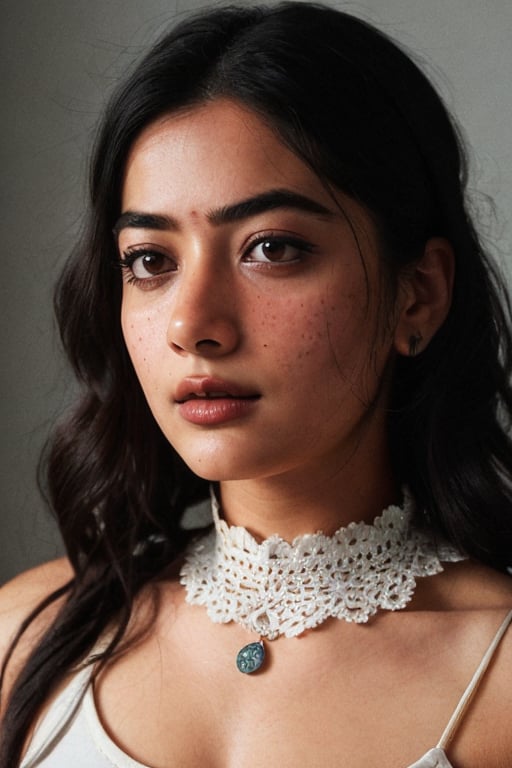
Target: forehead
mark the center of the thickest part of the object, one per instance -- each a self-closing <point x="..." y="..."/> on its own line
<point x="219" y="149"/>
<point x="214" y="155"/>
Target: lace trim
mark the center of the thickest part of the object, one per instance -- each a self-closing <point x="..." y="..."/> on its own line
<point x="274" y="587"/>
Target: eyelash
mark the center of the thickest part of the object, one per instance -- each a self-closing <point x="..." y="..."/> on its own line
<point x="302" y="247"/>
<point x="130" y="256"/>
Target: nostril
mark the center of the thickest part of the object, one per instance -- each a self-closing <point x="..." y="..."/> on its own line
<point x="209" y="342"/>
<point x="188" y="336"/>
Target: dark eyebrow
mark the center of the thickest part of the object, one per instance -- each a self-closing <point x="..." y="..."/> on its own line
<point x="144" y="221"/>
<point x="266" y="201"/>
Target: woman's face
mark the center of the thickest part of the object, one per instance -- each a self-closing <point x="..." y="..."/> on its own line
<point x="249" y="301"/>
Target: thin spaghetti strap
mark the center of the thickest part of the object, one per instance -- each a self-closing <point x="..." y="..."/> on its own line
<point x="463" y="704"/>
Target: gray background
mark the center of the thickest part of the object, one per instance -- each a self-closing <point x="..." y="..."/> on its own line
<point x="59" y="60"/>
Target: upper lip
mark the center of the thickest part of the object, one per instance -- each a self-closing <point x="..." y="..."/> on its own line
<point x="209" y="386"/>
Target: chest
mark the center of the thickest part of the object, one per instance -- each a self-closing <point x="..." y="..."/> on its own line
<point x="343" y="695"/>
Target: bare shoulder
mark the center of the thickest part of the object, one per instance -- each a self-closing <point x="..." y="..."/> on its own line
<point x="466" y="586"/>
<point x="465" y="610"/>
<point x="19" y="597"/>
<point x="486" y="586"/>
<point x="492" y="702"/>
<point x="473" y="599"/>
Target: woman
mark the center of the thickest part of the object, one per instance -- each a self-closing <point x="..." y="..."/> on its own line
<point x="279" y="292"/>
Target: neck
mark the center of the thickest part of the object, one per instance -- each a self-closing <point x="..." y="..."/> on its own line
<point x="278" y="588"/>
<point x="298" y="504"/>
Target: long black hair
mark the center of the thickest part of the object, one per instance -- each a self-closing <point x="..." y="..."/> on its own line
<point x="354" y="107"/>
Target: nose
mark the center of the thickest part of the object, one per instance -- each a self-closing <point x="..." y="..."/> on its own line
<point x="203" y="318"/>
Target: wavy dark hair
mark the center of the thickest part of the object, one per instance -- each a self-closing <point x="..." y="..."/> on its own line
<point x="353" y="106"/>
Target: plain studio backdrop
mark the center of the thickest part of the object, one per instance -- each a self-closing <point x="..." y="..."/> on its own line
<point x="60" y="60"/>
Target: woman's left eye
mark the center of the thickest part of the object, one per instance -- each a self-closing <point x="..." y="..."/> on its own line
<point x="276" y="250"/>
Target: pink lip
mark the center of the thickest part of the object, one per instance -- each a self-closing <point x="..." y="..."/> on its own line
<point x="194" y="387"/>
<point x="207" y="401"/>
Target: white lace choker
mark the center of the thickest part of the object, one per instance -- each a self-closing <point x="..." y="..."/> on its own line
<point x="275" y="588"/>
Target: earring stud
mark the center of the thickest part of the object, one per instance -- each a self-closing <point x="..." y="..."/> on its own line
<point x="414" y="344"/>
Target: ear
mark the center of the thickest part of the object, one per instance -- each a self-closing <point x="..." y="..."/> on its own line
<point x="425" y="296"/>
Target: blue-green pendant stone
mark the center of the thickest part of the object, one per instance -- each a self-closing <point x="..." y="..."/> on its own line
<point x="250" y="657"/>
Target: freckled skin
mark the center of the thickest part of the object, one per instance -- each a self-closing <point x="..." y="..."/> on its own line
<point x="311" y="454"/>
<point x="299" y="334"/>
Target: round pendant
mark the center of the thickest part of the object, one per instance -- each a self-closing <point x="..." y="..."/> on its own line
<point x="250" y="657"/>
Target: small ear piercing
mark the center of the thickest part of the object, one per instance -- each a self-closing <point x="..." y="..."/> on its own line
<point x="414" y="344"/>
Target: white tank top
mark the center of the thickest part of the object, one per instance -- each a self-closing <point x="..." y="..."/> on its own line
<point x="70" y="735"/>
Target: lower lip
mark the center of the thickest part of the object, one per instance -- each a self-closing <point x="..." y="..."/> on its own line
<point x="216" y="411"/>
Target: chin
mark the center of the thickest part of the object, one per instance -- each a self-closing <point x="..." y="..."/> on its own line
<point x="218" y="471"/>
<point x="219" y="456"/>
<point x="216" y="457"/>
<point x="217" y="467"/>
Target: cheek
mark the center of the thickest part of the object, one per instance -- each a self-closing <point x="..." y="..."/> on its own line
<point x="288" y="331"/>
<point x="142" y="334"/>
<point x="312" y="332"/>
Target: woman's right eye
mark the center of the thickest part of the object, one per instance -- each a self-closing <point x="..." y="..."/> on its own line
<point x="143" y="265"/>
